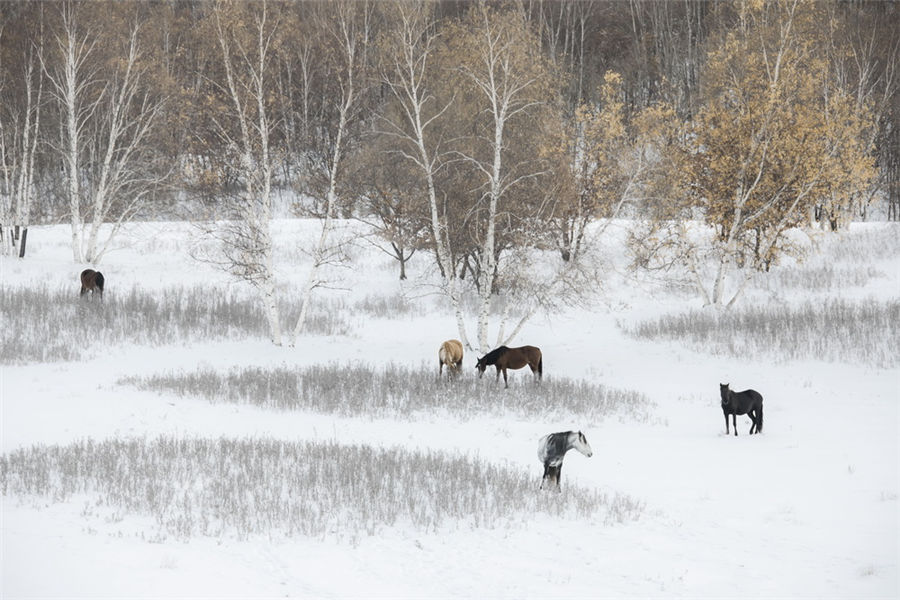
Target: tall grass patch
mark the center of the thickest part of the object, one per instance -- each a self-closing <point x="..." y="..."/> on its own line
<point x="251" y="487"/>
<point x="401" y="391"/>
<point x="842" y="331"/>
<point x="837" y="261"/>
<point x="46" y="325"/>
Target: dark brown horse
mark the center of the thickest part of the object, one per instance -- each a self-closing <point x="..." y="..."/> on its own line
<point x="92" y="281"/>
<point x="504" y="358"/>
<point x="450" y="354"/>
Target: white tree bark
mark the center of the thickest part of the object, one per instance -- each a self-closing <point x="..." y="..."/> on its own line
<point x="121" y="116"/>
<point x="504" y="89"/>
<point x="127" y="130"/>
<point x="18" y="148"/>
<point x="251" y="251"/>
<point x="71" y="80"/>
<point x="352" y="38"/>
<point x="406" y="78"/>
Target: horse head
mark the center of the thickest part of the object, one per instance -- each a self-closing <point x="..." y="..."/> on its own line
<point x="580" y="443"/>
<point x="480" y="366"/>
<point x="725" y="393"/>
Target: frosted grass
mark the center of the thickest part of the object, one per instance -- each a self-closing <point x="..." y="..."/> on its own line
<point x="46" y="325"/>
<point x="398" y="391"/>
<point x="262" y="487"/>
<point x="865" y="332"/>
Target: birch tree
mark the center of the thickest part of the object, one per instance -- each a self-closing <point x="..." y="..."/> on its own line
<point x="347" y="29"/>
<point x="406" y="70"/>
<point x="21" y="90"/>
<point x="108" y="113"/>
<point x="599" y="166"/>
<point x="768" y="143"/>
<point x="500" y="62"/>
<point x="245" y="35"/>
<point x="126" y="169"/>
<point x="76" y="88"/>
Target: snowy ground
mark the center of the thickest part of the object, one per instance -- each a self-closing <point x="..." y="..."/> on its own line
<point x="808" y="509"/>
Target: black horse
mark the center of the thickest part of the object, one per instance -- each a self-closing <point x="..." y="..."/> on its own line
<point x="504" y="358"/>
<point x="92" y="281"/>
<point x="748" y="402"/>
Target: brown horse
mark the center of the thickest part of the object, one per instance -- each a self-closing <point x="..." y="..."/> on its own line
<point x="450" y="354"/>
<point x="92" y="281"/>
<point x="504" y="358"/>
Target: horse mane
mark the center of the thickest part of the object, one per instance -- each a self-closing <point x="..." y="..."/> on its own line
<point x="491" y="357"/>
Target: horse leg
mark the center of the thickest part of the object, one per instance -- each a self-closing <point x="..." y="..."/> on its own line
<point x="559" y="478"/>
<point x="754" y="418"/>
<point x="734" y="422"/>
<point x="727" y="429"/>
<point x="440" y="368"/>
<point x="505" y="381"/>
<point x="551" y="477"/>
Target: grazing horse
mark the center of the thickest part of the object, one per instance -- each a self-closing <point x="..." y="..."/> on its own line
<point x="450" y="354"/>
<point x="504" y="358"/>
<point x="748" y="402"/>
<point x="92" y="281"/>
<point x="552" y="449"/>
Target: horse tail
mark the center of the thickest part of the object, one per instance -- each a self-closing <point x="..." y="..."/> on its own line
<point x="759" y="423"/>
<point x="98" y="281"/>
<point x="540" y="369"/>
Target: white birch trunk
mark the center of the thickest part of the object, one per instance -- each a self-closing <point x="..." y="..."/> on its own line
<point x="18" y="151"/>
<point x="7" y="235"/>
<point x="518" y="328"/>
<point x="407" y="83"/>
<point x="312" y="281"/>
<point x="488" y="263"/>
<point x="256" y="205"/>
<point x="70" y="83"/>
<point x="349" y="45"/>
<point x="30" y="130"/>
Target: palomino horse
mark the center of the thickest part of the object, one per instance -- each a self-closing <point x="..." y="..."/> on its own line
<point x="552" y="449"/>
<point x="450" y="354"/>
<point x="92" y="281"/>
<point x="504" y="358"/>
<point x="748" y="402"/>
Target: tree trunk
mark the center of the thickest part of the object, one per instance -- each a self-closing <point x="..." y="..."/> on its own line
<point x="22" y="242"/>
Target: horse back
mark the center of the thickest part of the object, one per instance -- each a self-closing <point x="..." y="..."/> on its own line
<point x="751" y="396"/>
<point x="743" y="402"/>
<point x="532" y="355"/>
<point x="553" y="447"/>
<point x="451" y="351"/>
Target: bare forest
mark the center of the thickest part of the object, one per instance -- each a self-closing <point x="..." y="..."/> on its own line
<point x="479" y="133"/>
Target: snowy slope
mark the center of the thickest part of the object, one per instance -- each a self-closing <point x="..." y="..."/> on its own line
<point x="808" y="509"/>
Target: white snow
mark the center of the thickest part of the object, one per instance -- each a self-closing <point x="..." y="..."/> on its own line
<point x="807" y="509"/>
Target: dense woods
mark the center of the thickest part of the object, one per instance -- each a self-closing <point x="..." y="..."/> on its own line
<point x="474" y="131"/>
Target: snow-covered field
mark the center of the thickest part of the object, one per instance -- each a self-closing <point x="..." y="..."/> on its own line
<point x="807" y="509"/>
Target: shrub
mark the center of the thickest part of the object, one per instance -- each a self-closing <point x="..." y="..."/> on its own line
<point x="400" y="391"/>
<point x="248" y="487"/>
<point x="856" y="332"/>
<point x="55" y="325"/>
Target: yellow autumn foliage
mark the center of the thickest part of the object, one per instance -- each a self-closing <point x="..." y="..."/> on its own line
<point x="775" y="135"/>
